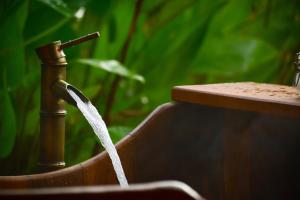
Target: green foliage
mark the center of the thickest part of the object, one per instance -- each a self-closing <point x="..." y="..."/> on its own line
<point x="113" y="67"/>
<point x="8" y="129"/>
<point x="59" y="6"/>
<point x="118" y="132"/>
<point x="174" y="42"/>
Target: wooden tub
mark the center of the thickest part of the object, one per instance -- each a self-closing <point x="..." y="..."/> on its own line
<point x="226" y="141"/>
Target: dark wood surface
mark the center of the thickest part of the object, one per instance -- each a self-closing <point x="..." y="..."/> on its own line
<point x="222" y="153"/>
<point x="258" y="97"/>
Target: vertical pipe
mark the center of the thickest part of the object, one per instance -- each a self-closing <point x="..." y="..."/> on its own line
<point x="52" y="112"/>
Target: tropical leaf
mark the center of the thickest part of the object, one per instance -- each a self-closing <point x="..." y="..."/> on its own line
<point x="241" y="54"/>
<point x="8" y="7"/>
<point x="12" y="54"/>
<point x="8" y="125"/>
<point x="112" y="66"/>
<point x="59" y="6"/>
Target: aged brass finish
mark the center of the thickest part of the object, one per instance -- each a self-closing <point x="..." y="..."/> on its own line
<point x="79" y="40"/>
<point x="60" y="90"/>
<point x="53" y="94"/>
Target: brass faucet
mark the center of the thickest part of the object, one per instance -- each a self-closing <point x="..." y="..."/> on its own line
<point x="53" y="94"/>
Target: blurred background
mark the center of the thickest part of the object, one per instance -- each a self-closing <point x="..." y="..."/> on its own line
<point x="145" y="48"/>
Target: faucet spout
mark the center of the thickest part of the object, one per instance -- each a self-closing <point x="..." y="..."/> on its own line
<point x="60" y="90"/>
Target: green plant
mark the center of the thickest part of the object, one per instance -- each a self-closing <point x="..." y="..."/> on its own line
<point x="145" y="48"/>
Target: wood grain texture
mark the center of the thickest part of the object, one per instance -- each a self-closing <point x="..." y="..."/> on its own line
<point x="222" y="153"/>
<point x="237" y="156"/>
<point x="258" y="97"/>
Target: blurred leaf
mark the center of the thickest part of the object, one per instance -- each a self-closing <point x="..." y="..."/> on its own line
<point x="11" y="48"/>
<point x="91" y="91"/>
<point x="80" y="146"/>
<point x="46" y="31"/>
<point x="59" y="6"/>
<point x="240" y="55"/>
<point x="8" y="7"/>
<point x="8" y="125"/>
<point x="31" y="79"/>
<point x="165" y="12"/>
<point x="170" y="51"/>
<point x="114" y="29"/>
<point x="229" y="51"/>
<point x="38" y="30"/>
<point x="112" y="66"/>
<point x="118" y="132"/>
<point x="230" y="17"/>
<point x="100" y="8"/>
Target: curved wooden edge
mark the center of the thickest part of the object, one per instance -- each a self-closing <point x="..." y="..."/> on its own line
<point x="248" y="96"/>
<point x="155" y="190"/>
<point x="82" y="173"/>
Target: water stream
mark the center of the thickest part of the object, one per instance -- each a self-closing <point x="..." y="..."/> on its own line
<point x="95" y="120"/>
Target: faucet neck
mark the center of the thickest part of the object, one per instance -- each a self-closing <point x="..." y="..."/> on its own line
<point x="51" y="53"/>
<point x="52" y="111"/>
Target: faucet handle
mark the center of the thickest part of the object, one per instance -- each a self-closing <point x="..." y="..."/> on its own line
<point x="51" y="53"/>
<point x="77" y="41"/>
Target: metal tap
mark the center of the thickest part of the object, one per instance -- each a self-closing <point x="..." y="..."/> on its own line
<point x="53" y="94"/>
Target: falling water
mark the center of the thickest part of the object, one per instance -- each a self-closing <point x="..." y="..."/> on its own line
<point x="95" y="120"/>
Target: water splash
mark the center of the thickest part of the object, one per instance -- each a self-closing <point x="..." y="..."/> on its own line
<point x="95" y="120"/>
